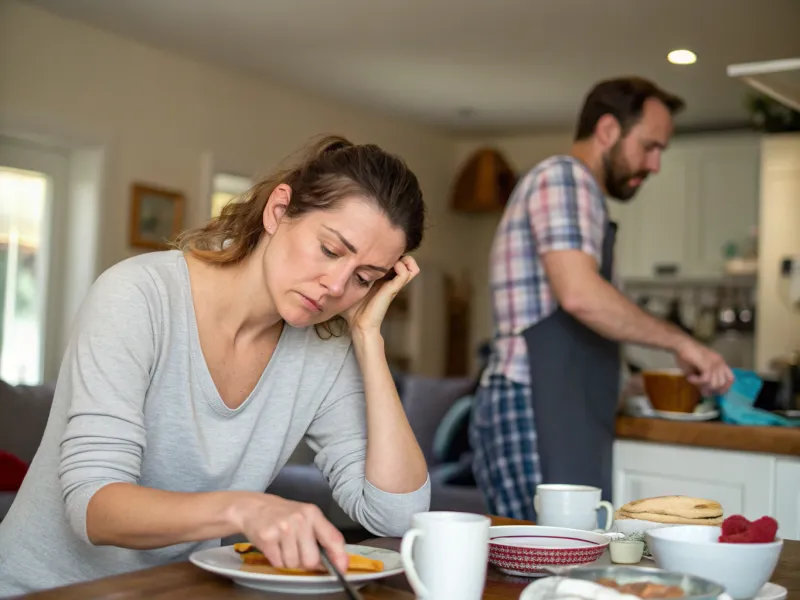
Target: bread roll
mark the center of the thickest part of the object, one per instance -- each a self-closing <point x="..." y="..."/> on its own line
<point x="669" y="519"/>
<point x="683" y="507"/>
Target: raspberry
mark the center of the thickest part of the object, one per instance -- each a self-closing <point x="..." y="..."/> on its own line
<point x="736" y="538"/>
<point x="763" y="530"/>
<point x="735" y="524"/>
<point x="738" y="530"/>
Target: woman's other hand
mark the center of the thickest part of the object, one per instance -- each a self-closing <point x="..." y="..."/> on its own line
<point x="367" y="315"/>
<point x="287" y="532"/>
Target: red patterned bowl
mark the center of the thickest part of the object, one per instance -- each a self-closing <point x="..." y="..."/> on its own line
<point x="527" y="549"/>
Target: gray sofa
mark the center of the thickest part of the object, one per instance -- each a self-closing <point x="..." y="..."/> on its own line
<point x="24" y="411"/>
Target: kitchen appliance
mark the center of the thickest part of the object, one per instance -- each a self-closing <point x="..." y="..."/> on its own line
<point x="788" y="395"/>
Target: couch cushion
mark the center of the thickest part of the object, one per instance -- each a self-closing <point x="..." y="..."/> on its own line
<point x="23" y="416"/>
<point x="426" y="401"/>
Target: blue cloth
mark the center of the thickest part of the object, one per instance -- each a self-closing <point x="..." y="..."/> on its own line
<point x="736" y="406"/>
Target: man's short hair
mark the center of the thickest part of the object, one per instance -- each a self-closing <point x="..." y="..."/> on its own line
<point x="623" y="98"/>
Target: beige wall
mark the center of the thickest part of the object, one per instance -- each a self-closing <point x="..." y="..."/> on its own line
<point x="160" y="115"/>
<point x="778" y="330"/>
<point x="522" y="152"/>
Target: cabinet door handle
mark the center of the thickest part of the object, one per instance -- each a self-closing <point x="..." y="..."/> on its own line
<point x="666" y="269"/>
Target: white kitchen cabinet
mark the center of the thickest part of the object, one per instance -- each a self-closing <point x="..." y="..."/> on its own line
<point x="627" y="257"/>
<point x="705" y="196"/>
<point x="752" y="484"/>
<point x="741" y="481"/>
<point x="787" y="497"/>
<point x="722" y="200"/>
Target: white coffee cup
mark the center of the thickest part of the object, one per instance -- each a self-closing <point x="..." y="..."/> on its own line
<point x="572" y="506"/>
<point x="445" y="555"/>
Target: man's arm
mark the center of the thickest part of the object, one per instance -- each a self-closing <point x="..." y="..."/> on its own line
<point x="584" y="294"/>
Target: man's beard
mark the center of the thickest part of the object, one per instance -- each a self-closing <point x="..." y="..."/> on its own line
<point x="618" y="176"/>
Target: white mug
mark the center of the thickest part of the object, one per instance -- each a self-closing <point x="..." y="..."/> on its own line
<point x="445" y="555"/>
<point x="573" y="506"/>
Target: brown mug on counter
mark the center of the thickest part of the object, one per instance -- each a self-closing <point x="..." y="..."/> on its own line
<point x="670" y="391"/>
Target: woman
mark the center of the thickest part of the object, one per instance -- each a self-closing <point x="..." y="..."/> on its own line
<point x="192" y="374"/>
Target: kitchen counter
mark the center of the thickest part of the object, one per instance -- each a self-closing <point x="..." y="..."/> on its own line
<point x="714" y="434"/>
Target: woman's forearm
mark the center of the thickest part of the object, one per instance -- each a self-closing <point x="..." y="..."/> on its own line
<point x="395" y="462"/>
<point x="130" y="516"/>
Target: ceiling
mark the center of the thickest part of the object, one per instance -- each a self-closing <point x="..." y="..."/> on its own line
<point x="489" y="66"/>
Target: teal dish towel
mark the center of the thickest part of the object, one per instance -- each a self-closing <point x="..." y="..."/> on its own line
<point x="736" y="406"/>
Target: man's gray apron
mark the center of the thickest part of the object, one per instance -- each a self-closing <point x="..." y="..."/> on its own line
<point x="575" y="376"/>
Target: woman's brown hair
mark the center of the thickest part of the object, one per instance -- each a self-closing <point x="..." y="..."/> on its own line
<point x="330" y="170"/>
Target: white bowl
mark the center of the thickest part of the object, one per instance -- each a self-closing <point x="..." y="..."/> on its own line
<point x="631" y="526"/>
<point x="695" y="550"/>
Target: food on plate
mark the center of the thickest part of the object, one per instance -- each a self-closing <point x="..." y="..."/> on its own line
<point x="251" y="555"/>
<point x="736" y="529"/>
<point x="676" y="510"/>
<point x="644" y="589"/>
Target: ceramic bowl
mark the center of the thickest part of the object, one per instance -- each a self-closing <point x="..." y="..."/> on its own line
<point x="626" y="552"/>
<point x="528" y="549"/>
<point x="694" y="549"/>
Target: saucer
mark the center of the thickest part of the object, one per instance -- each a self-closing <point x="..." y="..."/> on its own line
<point x="770" y="591"/>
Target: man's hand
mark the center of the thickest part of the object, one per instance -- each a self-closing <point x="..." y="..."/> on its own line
<point x="704" y="368"/>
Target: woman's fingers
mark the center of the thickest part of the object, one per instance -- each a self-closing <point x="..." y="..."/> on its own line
<point x="406" y="269"/>
<point x="331" y="539"/>
<point x="270" y="545"/>
<point x="290" y="553"/>
<point x="307" y="543"/>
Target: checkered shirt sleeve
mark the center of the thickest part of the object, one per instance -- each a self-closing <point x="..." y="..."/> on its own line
<point x="564" y="212"/>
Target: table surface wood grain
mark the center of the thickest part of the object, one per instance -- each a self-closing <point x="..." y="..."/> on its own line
<point x="184" y="580"/>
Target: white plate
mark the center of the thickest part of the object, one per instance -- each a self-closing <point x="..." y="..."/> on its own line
<point x="224" y="561"/>
<point x="707" y="415"/>
<point x="770" y="591"/>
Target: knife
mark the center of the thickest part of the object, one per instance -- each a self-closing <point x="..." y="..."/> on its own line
<point x="351" y="591"/>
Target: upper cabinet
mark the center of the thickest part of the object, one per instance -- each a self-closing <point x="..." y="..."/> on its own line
<point x="484" y="183"/>
<point x="704" y="198"/>
<point x="723" y="205"/>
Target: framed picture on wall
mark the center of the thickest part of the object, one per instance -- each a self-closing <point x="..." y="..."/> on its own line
<point x="156" y="216"/>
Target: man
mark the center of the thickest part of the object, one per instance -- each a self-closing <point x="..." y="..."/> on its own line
<point x="546" y="406"/>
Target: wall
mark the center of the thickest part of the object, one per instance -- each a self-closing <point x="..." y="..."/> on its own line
<point x="522" y="152"/>
<point x="160" y="116"/>
<point x="778" y="332"/>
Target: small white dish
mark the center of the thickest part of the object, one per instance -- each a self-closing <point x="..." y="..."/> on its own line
<point x="708" y="415"/>
<point x="633" y="526"/>
<point x="224" y="561"/>
<point x="639" y="406"/>
<point x="770" y="591"/>
<point x="626" y="552"/>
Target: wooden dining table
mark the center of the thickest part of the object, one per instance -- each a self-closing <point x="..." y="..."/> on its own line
<point x="184" y="580"/>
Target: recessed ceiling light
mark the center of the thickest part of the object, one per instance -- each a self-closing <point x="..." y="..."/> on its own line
<point x="682" y="57"/>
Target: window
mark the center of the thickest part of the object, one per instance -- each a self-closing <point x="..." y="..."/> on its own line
<point x="224" y="188"/>
<point x="23" y="274"/>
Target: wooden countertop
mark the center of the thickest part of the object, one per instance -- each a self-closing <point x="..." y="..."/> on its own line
<point x="712" y="434"/>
